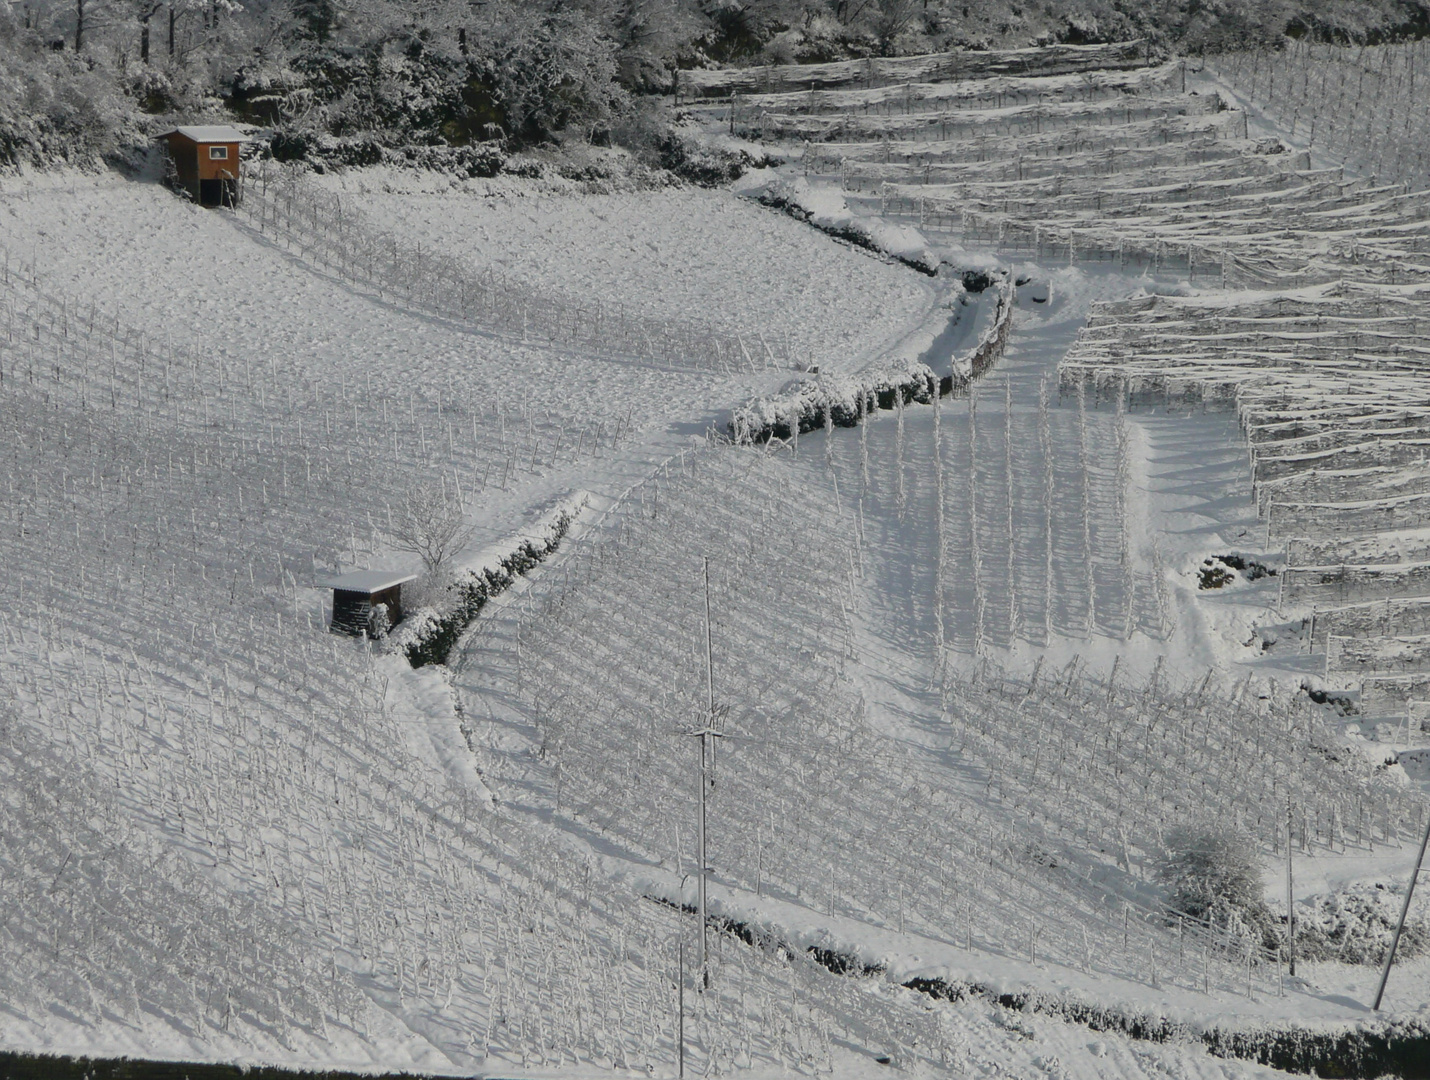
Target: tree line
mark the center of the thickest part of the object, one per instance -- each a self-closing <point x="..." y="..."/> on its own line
<point x="79" y="76"/>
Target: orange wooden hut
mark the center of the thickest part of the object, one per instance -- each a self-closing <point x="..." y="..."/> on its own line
<point x="206" y="161"/>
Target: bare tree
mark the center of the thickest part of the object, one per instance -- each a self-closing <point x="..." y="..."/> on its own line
<point x="890" y="19"/>
<point x="430" y="524"/>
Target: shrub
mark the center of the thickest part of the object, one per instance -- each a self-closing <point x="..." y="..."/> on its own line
<point x="152" y="91"/>
<point x="447" y="606"/>
<point x="56" y="108"/>
<point x="705" y="166"/>
<point x="379" y="623"/>
<point x="1212" y="874"/>
<point x="1355" y="927"/>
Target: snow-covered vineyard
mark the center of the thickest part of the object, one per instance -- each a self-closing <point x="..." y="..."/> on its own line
<point x="1070" y="497"/>
<point x="1137" y="170"/>
<point x="1326" y="382"/>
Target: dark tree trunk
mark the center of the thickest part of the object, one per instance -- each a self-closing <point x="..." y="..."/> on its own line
<point x="148" y="11"/>
<point x="171" y="31"/>
<point x="78" y="25"/>
<point x="462" y="39"/>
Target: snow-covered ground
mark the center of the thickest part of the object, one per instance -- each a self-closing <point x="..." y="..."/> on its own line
<point x="869" y="550"/>
<point x="965" y="673"/>
<point x="709" y="257"/>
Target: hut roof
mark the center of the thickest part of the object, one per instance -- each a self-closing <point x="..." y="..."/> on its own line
<point x="365" y="581"/>
<point x="207" y="133"/>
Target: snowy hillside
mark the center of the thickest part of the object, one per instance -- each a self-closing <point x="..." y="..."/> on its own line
<point x="1139" y="466"/>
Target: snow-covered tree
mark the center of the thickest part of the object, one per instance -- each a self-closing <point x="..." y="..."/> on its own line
<point x="430" y="524"/>
<point x="1211" y="872"/>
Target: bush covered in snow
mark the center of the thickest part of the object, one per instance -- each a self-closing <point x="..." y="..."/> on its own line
<point x="826" y="209"/>
<point x="1355" y="925"/>
<point x="844" y="401"/>
<point x="56" y="109"/>
<point x="427" y="635"/>
<point x="1211" y="873"/>
<point x="705" y="165"/>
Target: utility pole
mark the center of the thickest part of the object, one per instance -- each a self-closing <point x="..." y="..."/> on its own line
<point x="680" y="1000"/>
<point x="1404" y="911"/>
<point x="1290" y="899"/>
<point x="710" y="678"/>
<point x="707" y="736"/>
<point x="703" y="960"/>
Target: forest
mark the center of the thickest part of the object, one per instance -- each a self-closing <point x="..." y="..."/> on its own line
<point x="461" y="83"/>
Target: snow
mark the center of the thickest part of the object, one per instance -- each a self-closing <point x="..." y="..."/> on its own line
<point x="827" y="210"/>
<point x="901" y="69"/>
<point x="421" y="700"/>
<point x="965" y="672"/>
<point x="207" y="133"/>
<point x="710" y="257"/>
<point x="571" y="635"/>
<point x="368" y="581"/>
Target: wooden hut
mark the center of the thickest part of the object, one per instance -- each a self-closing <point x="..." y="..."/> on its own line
<point x="357" y="596"/>
<point x="206" y="162"/>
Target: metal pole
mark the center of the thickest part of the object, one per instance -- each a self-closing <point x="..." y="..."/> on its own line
<point x="1290" y="911"/>
<point x="1404" y="910"/>
<point x="705" y="748"/>
<point x="700" y="854"/>
<point x="709" y="653"/>
<point x="709" y="677"/>
<point x="680" y="1030"/>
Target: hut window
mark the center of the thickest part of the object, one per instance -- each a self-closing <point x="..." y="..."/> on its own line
<point x="218" y="153"/>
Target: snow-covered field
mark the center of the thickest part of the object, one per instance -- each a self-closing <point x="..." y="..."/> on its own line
<point x="704" y="256"/>
<point x="964" y="673"/>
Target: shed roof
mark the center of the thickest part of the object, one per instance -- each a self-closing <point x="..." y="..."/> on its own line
<point x="364" y="581"/>
<point x="207" y="133"/>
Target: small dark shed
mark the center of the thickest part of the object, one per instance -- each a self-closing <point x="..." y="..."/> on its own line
<point x="206" y="162"/>
<point x="357" y="596"/>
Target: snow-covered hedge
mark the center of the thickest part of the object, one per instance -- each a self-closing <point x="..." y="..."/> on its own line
<point x="427" y="635"/>
<point x="1363" y="1051"/>
<point x="838" y="401"/>
<point x="843" y="401"/>
<point x="325" y="152"/>
<point x="826" y="210"/>
<point x="708" y="165"/>
<point x="1355" y="926"/>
